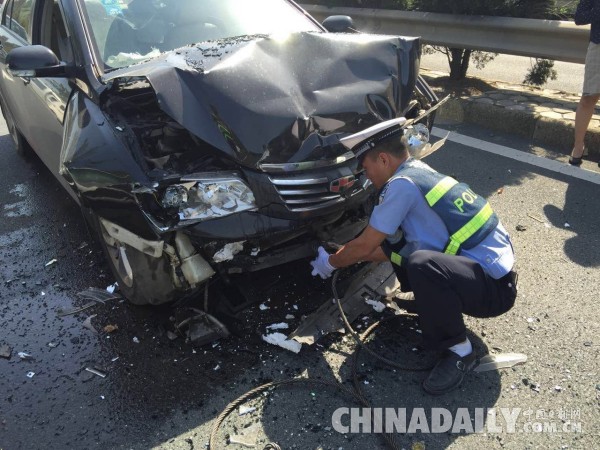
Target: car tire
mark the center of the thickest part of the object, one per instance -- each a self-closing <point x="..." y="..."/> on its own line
<point x="21" y="145"/>
<point x="150" y="282"/>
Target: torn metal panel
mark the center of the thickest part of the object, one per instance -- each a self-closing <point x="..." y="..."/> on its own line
<point x="372" y="282"/>
<point x="300" y="92"/>
<point x="93" y="155"/>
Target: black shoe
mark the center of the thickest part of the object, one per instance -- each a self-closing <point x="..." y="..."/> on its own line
<point x="449" y="372"/>
<point x="575" y="161"/>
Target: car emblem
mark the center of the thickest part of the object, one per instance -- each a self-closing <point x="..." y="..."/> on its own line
<point x="342" y="184"/>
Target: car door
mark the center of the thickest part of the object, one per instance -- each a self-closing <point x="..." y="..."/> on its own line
<point x="46" y="98"/>
<point x="15" y="32"/>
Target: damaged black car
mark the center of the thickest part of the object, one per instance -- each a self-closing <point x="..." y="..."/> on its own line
<point x="202" y="137"/>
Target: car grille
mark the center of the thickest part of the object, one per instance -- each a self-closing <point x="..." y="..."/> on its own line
<point x="302" y="194"/>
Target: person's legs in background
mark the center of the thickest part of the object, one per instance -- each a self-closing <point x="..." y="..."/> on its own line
<point x="584" y="113"/>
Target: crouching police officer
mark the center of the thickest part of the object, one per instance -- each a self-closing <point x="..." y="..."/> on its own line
<point x="445" y="244"/>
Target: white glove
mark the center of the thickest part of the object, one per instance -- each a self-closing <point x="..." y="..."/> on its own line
<point x="321" y="265"/>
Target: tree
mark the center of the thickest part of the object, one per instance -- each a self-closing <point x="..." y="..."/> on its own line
<point x="459" y="58"/>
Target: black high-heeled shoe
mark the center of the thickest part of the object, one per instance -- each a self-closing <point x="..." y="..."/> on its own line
<point x="575" y="161"/>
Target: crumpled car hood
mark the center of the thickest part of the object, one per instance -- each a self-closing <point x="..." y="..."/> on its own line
<point x="275" y="100"/>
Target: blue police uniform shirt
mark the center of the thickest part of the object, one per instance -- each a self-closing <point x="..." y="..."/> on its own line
<point x="403" y="205"/>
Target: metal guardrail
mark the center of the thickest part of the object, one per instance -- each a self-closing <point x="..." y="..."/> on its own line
<point x="550" y="39"/>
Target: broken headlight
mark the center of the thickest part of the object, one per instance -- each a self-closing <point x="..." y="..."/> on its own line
<point x="208" y="196"/>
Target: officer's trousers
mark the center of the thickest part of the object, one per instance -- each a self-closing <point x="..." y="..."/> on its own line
<point x="448" y="286"/>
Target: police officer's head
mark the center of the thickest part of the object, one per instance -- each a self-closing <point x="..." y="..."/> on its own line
<point x="383" y="158"/>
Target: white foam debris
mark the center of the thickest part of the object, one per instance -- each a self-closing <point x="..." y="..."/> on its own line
<point x="111" y="289"/>
<point x="228" y="252"/>
<point x="289" y="316"/>
<point x="263" y="307"/>
<point x="278" y="326"/>
<point x="246" y="410"/>
<point x="377" y="306"/>
<point x="281" y="340"/>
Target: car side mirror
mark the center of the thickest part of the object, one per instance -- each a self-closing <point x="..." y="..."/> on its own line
<point x="34" y="61"/>
<point x="339" y="24"/>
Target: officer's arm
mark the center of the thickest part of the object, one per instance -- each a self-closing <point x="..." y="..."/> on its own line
<point x="363" y="248"/>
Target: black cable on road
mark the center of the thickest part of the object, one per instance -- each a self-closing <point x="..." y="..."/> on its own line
<point x="356" y="393"/>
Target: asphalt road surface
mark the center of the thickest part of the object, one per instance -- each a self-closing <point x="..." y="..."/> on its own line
<point x="163" y="393"/>
<point x="513" y="69"/>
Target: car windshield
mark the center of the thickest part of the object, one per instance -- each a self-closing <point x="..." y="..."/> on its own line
<point x="128" y="31"/>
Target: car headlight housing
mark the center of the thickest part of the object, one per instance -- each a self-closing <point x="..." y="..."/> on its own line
<point x="208" y="196"/>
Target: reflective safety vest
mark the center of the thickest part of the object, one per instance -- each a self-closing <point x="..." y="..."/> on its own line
<point x="468" y="217"/>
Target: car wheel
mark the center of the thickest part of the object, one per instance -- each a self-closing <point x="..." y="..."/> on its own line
<point x="142" y="279"/>
<point x="21" y="145"/>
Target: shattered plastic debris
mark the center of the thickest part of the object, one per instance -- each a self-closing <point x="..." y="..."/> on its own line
<point x="278" y="326"/>
<point x="62" y="313"/>
<point x="246" y="410"/>
<point x="98" y="295"/>
<point x="567" y="225"/>
<point x="95" y="371"/>
<point x="52" y="261"/>
<point x="136" y="340"/>
<point x="248" y="438"/>
<point x="5" y="351"/>
<point x="282" y="341"/>
<point x="289" y="316"/>
<point x="263" y="307"/>
<point x="255" y="251"/>
<point x="24" y="355"/>
<point x="228" y="252"/>
<point x="217" y="367"/>
<point x="111" y="289"/>
<point x="30" y="374"/>
<point x="172" y="336"/>
<point x="377" y="306"/>
<point x="111" y="328"/>
<point x="88" y="323"/>
<point x="52" y="344"/>
<point x="203" y="328"/>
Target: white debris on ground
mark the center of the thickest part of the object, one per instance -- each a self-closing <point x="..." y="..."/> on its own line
<point x="263" y="307"/>
<point x="278" y="326"/>
<point x="249" y="436"/>
<point x="228" y="252"/>
<point x="281" y="340"/>
<point x="111" y="289"/>
<point x="53" y="261"/>
<point x="246" y="410"/>
<point x="377" y="306"/>
<point x="289" y="316"/>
